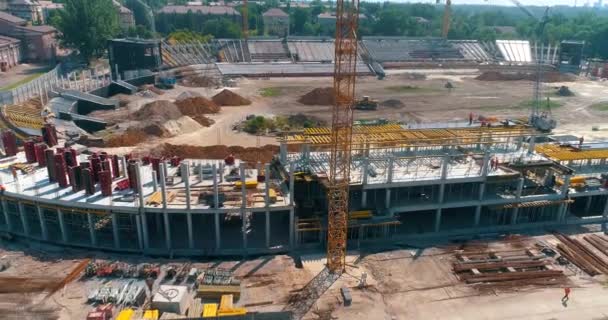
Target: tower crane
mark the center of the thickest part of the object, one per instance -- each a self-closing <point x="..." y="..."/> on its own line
<point x="345" y="62"/>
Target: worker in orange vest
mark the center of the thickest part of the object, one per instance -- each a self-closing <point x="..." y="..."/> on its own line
<point x="566" y="294"/>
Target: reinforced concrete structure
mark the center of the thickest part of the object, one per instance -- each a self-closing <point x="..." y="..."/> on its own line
<point x="406" y="183"/>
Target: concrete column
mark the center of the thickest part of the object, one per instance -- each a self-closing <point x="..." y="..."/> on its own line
<point x="140" y="189"/>
<point x="43" y="229"/>
<point x="9" y="224"/>
<point x="363" y="199"/>
<point x="144" y="229"/>
<point x="441" y="194"/>
<point x="190" y="231"/>
<point x="243" y="205"/>
<point x="588" y="204"/>
<point x="154" y="181"/>
<point x="305" y="154"/>
<point x="24" y="222"/>
<point x="267" y="185"/>
<point x="364" y="169"/>
<point x="291" y="227"/>
<point x="437" y="219"/>
<point x="200" y="171"/>
<point x="387" y="199"/>
<point x="185" y="172"/>
<point x="221" y="173"/>
<point x="283" y="153"/>
<point x="444" y="167"/>
<point x="605" y="217"/>
<point x="123" y="164"/>
<point x="116" y="235"/>
<point x="218" y="237"/>
<point x="532" y="144"/>
<point x="62" y="228"/>
<point x="485" y="166"/>
<point x="391" y="163"/>
<point x="565" y="186"/>
<point x="216" y="200"/>
<point x="92" y="229"/>
<point x="477" y="215"/>
<point x="167" y="230"/>
<point x="140" y="237"/>
<point x="520" y="187"/>
<point x="163" y="184"/>
<point x="292" y="168"/>
<point x="267" y="229"/>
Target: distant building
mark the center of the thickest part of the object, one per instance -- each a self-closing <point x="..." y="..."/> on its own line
<point x="217" y="11"/>
<point x="48" y="7"/>
<point x="29" y="10"/>
<point x="173" y="17"/>
<point x="276" y="22"/>
<point x="3" y="5"/>
<point x="38" y="43"/>
<point x="125" y="16"/>
<point x="10" y="52"/>
<point x="295" y="4"/>
<point x="329" y="19"/>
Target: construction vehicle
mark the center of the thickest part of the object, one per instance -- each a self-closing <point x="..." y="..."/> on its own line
<point x="366" y="104"/>
<point x="165" y="80"/>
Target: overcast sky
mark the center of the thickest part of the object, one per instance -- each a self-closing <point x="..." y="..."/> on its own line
<point x="507" y="2"/>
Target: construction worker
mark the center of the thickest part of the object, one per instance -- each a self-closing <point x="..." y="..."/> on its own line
<point x="580" y="142"/>
<point x="471" y="118"/>
<point x="2" y="189"/>
<point x="566" y="294"/>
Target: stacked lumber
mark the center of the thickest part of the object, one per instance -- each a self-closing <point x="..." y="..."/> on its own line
<point x="521" y="267"/>
<point x="580" y="255"/>
<point x="600" y="243"/>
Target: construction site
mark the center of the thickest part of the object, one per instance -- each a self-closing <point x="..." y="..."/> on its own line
<point x="308" y="178"/>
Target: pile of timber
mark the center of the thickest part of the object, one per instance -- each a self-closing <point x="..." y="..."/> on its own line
<point x="583" y="257"/>
<point x="524" y="266"/>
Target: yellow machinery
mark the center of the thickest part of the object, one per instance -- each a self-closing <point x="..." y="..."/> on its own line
<point x="151" y="315"/>
<point x="125" y="314"/>
<point x="249" y="184"/>
<point x="225" y="309"/>
<point x="210" y="310"/>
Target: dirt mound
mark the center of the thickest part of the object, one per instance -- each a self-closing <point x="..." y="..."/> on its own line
<point x="252" y="155"/>
<point x="184" y="124"/>
<point x="318" y="96"/>
<point x="130" y="137"/>
<point x="392" y="103"/>
<point x="123" y="99"/>
<point x="199" y="82"/>
<point x="161" y="110"/>
<point x="203" y="121"/>
<point x="546" y="77"/>
<point x="197" y="106"/>
<point x="156" y="130"/>
<point x="229" y="98"/>
<point x="187" y="94"/>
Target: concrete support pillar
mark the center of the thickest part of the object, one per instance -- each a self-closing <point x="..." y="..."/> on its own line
<point x="167" y="231"/>
<point x="482" y="188"/>
<point x="441" y="195"/>
<point x="267" y="228"/>
<point x="221" y="173"/>
<point x="363" y="199"/>
<point x="154" y="181"/>
<point x="9" y="224"/>
<point x="305" y="154"/>
<point x="444" y="167"/>
<point x="163" y="184"/>
<point x="218" y="237"/>
<point x="185" y="173"/>
<point x="123" y="164"/>
<point x="532" y="144"/>
<point x="605" y="216"/>
<point x="437" y="220"/>
<point x="588" y="204"/>
<point x="140" y="237"/>
<point x="24" y="222"/>
<point x="92" y="229"/>
<point x="62" y="228"/>
<point x="477" y="216"/>
<point x="292" y="168"/>
<point x="243" y="206"/>
<point x="390" y="167"/>
<point x="291" y="228"/>
<point x="144" y="229"/>
<point x="387" y="199"/>
<point x="566" y="186"/>
<point x="520" y="187"/>
<point x="116" y="235"/>
<point x="140" y="188"/>
<point x="43" y="229"/>
<point x="216" y="201"/>
<point x="267" y="185"/>
<point x="283" y="153"/>
<point x="200" y="171"/>
<point x="364" y="169"/>
<point x="485" y="166"/>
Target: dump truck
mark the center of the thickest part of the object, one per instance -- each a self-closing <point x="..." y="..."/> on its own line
<point x="366" y="104"/>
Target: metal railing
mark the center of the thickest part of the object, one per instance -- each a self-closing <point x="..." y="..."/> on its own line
<point x="38" y="87"/>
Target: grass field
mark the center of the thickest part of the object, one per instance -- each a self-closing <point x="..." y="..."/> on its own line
<point x="602" y="106"/>
<point x="22" y="81"/>
<point x="270" y="92"/>
<point x="410" y="89"/>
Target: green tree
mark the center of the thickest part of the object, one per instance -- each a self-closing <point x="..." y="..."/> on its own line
<point x="87" y="25"/>
<point x="299" y="18"/>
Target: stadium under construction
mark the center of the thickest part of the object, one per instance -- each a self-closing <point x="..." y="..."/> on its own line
<point x="406" y="182"/>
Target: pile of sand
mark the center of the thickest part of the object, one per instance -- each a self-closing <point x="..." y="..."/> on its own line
<point x="160" y="111"/>
<point x="187" y="94"/>
<point x="229" y="98"/>
<point x="318" y="96"/>
<point x="199" y="82"/>
<point x="546" y="77"/>
<point x="130" y="137"/>
<point x="251" y="155"/>
<point x="184" y="124"/>
<point x="195" y="106"/>
<point x="123" y="99"/>
<point x="202" y="120"/>
<point x="392" y="103"/>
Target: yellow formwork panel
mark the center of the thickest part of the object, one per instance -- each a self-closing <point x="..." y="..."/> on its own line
<point x="570" y="154"/>
<point x="210" y="310"/>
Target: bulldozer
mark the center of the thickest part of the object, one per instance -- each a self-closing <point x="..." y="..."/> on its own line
<point x="366" y="104"/>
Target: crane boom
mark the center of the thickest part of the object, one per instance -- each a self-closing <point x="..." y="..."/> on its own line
<point x="347" y="19"/>
<point x="447" y="19"/>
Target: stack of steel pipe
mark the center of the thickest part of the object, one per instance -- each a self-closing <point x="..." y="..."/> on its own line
<point x="105" y="179"/>
<point x="115" y="168"/>
<point x="39" y="149"/>
<point x="9" y="141"/>
<point x="71" y="157"/>
<point x="60" y="171"/>
<point x="30" y="151"/>
<point x="49" y="134"/>
<point x="95" y="166"/>
<point x="75" y="174"/>
<point x="49" y="156"/>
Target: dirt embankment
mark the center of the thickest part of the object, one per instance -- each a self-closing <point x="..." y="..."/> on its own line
<point x="263" y="154"/>
<point x="229" y="98"/>
<point x="546" y="77"/>
<point x="318" y="97"/>
<point x="199" y="82"/>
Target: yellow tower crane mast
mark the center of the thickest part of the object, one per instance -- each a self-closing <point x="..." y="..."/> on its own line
<point x="347" y="20"/>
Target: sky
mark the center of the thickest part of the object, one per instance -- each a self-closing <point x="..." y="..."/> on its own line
<point x="507" y="2"/>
